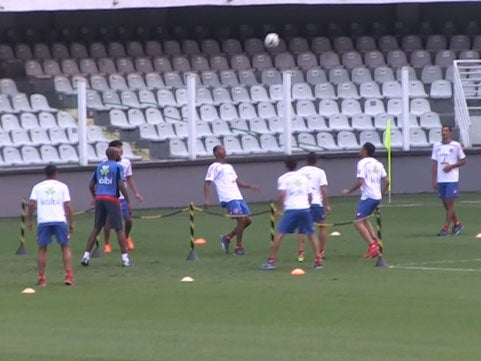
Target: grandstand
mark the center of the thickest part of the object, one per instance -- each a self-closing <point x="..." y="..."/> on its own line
<point x="343" y="74"/>
<point x="345" y="63"/>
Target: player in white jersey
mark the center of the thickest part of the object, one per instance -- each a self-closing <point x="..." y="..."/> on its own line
<point x="130" y="182"/>
<point x="448" y="155"/>
<point x="227" y="185"/>
<point x="295" y="196"/>
<point x="320" y="203"/>
<point x="51" y="199"/>
<point x="373" y="181"/>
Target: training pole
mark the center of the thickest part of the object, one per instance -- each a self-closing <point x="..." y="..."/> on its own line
<point x="381" y="262"/>
<point x="21" y="248"/>
<point x="192" y="256"/>
<point x="273" y="221"/>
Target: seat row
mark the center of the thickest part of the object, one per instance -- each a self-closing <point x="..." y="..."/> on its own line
<point x="53" y="136"/>
<point x="264" y="109"/>
<point x="301" y="142"/>
<point x="27" y="155"/>
<point x="231" y="46"/>
<point x="258" y="95"/>
<point x="240" y="62"/>
<point x="112" y="32"/>
<point x="211" y="89"/>
<point x="45" y="120"/>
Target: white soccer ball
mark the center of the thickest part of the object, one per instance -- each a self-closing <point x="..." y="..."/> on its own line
<point x="271" y="40"/>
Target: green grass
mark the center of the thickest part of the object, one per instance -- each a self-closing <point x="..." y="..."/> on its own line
<point x="348" y="311"/>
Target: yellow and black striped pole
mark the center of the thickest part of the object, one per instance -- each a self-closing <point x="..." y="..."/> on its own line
<point x="381" y="262"/>
<point x="273" y="221"/>
<point x="21" y="248"/>
<point x="377" y="213"/>
<point x="192" y="256"/>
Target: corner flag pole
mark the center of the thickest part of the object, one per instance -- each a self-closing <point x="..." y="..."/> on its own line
<point x="387" y="145"/>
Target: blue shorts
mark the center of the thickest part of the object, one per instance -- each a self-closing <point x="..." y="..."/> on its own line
<point x="448" y="190"/>
<point x="45" y="231"/>
<point x="318" y="214"/>
<point x="300" y="219"/>
<point x="366" y="207"/>
<point x="237" y="207"/>
<point x="124" y="208"/>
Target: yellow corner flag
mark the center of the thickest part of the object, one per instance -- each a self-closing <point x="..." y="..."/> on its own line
<point x="387" y="145"/>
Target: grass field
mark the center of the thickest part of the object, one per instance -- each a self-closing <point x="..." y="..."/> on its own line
<point x="425" y="307"/>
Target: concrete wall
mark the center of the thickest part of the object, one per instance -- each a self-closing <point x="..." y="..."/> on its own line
<point x="176" y="184"/>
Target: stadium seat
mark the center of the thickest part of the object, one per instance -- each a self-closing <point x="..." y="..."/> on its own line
<point x="434" y="136"/>
<point x="47" y="120"/>
<point x="361" y="121"/>
<point x="327" y="107"/>
<point x="12" y="156"/>
<point x="347" y="90"/>
<point x="20" y="137"/>
<point x="135" y="117"/>
<point x="396" y="137"/>
<point x="266" y="110"/>
<point x="380" y="121"/>
<point x="68" y="153"/>
<point x="250" y="144"/>
<point x="372" y="136"/>
<point x="58" y="136"/>
<point x="338" y="122"/>
<point x="338" y="75"/>
<point x="349" y="107"/>
<point x="320" y="44"/>
<point x="417" y="138"/>
<point x="383" y="74"/>
<point x="373" y="106"/>
<point x="49" y="154"/>
<point x="10" y="122"/>
<point x="307" y="60"/>
<point x="307" y="142"/>
<point x="329" y="60"/>
<point x="316" y="76"/>
<point x="326" y="141"/>
<point x="441" y="89"/>
<point x="369" y="89"/>
<point x="360" y="75"/>
<point x="347" y="140"/>
<point x="254" y="46"/>
<point x="268" y="143"/>
<point x="430" y="120"/>
<point x="324" y="91"/>
<point x="210" y="79"/>
<point x="352" y="59"/>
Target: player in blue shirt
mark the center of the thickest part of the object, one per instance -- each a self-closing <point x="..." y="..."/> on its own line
<point x="105" y="186"/>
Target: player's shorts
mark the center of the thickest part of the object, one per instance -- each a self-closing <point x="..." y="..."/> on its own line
<point x="318" y="214"/>
<point x="366" y="207"/>
<point x="106" y="206"/>
<point x="125" y="209"/>
<point x="237" y="207"/>
<point x="300" y="219"/>
<point x="448" y="190"/>
<point x="45" y="231"/>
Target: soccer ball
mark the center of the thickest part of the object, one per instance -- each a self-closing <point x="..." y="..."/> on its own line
<point x="271" y="40"/>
